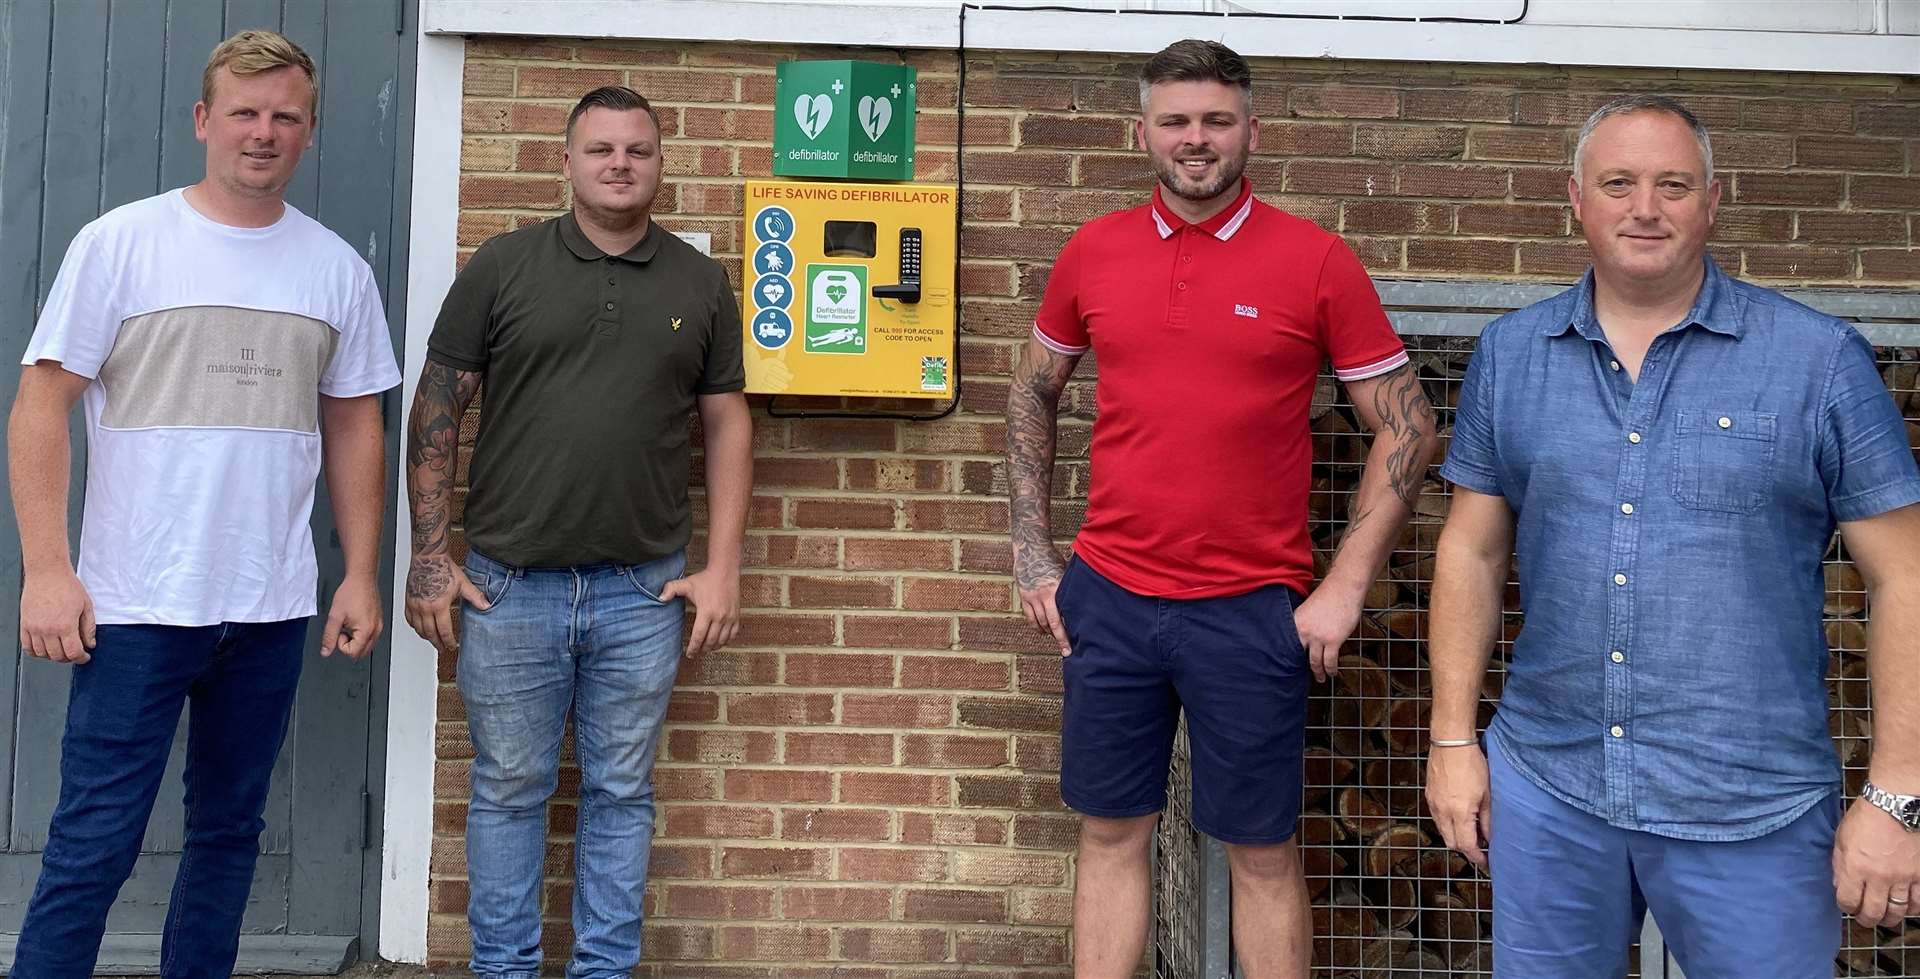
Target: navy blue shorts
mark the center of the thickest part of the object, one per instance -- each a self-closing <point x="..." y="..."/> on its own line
<point x="1234" y="663"/>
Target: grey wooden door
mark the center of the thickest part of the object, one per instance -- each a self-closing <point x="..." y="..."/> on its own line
<point x="96" y="104"/>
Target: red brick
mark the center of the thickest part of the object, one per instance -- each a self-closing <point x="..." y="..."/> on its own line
<point x="716" y="822"/>
<point x="775" y="943"/>
<point x="1295" y="139"/>
<point x="1357" y="179"/>
<point x="538" y="155"/>
<point x="540" y="82"/>
<point x="480" y="78"/>
<point x="1040" y="674"/>
<point x="1541" y="184"/>
<point x="779" y="709"/>
<point x="835" y="903"/>
<point x="1127" y="171"/>
<point x="1043" y="908"/>
<point x="1010" y="947"/>
<point x="1897" y="192"/>
<point x="680" y="860"/>
<point x="1017" y="168"/>
<point x="810" y="863"/>
<point x="720" y="747"/>
<point x="841" y="435"/>
<point x="897" y="632"/>
<point x="1886" y="119"/>
<point x="1789" y="188"/>
<point x="1019" y="93"/>
<point x="1752" y="224"/>
<point x="1890" y="263"/>
<point x="705" y="901"/>
<point x="1457" y="104"/>
<point x="685" y="784"/>
<point x="762" y="628"/>
<point x="1343" y="102"/>
<point x="844" y="514"/>
<point x="898" y="554"/>
<point x="798" y="473"/>
<point x="893" y="944"/>
<point x="1512" y="219"/>
<point x="1395" y="217"/>
<point x="1007" y="792"/>
<point x="986" y="556"/>
<point x="892" y="864"/>
<point x="957" y="516"/>
<point x="968" y="906"/>
<point x="954" y="672"/>
<point x="1751" y="151"/>
<point x="895" y="789"/>
<point x="955" y="594"/>
<point x="897" y="475"/>
<point x="839" y="670"/>
<point x="896" y="710"/>
<point x="953" y="751"/>
<point x="1036" y="753"/>
<point x="739" y="124"/>
<point x="677" y="942"/>
<point x="1798" y="115"/>
<point x="1010" y="713"/>
<point x="836" y="825"/>
<point x="1457" y="256"/>
<point x="629" y="53"/>
<point x="1409" y="142"/>
<point x="1003" y="867"/>
<point x="833" y="748"/>
<point x="693" y="707"/>
<point x="981" y="241"/>
<point x="805" y="591"/>
<point x="1562" y="109"/>
<point x="484" y="190"/>
<point x="547" y="119"/>
<point x="952" y="829"/>
<point x="778" y="785"/>
<point x="1075" y="132"/>
<point x="1046" y="831"/>
<point x="793" y="550"/>
<point x="1853" y="227"/>
<point x="1793" y="262"/>
<point x="681" y="85"/>
<point x="1420" y="180"/>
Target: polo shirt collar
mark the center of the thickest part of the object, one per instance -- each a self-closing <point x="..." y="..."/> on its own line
<point x="583" y="247"/>
<point x="1221" y="226"/>
<point x="1713" y="309"/>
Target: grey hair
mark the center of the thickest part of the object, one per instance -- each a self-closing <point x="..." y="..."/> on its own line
<point x="1195" y="60"/>
<point x="1629" y="104"/>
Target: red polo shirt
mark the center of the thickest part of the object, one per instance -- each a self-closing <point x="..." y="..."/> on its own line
<point x="1209" y="338"/>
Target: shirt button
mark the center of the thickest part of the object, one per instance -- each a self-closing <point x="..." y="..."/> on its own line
<point x="1618" y="731"/>
<point x="1613" y="364"/>
<point x="1183" y="287"/>
<point x="1619" y="657"/>
<point x="1626" y="508"/>
<point x="609" y="280"/>
<point x="1186" y="258"/>
<point x="1633" y="437"/>
<point x="1726" y="422"/>
<point x="1619" y="579"/>
<point x="609" y="305"/>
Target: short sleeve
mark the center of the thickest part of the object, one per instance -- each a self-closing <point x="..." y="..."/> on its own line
<point x="81" y="319"/>
<point x="459" y="337"/>
<point x="1354" y="330"/>
<point x="1058" y="324"/>
<point x="1865" y="460"/>
<point x="724" y="370"/>
<point x="363" y="359"/>
<point x="1473" y="461"/>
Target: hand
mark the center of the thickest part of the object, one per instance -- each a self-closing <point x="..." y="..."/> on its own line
<point x="354" y="622"/>
<point x="1462" y="806"/>
<point x="1876" y="864"/>
<point x="434" y="586"/>
<point x="1038" y="578"/>
<point x="716" y="607"/>
<point x="1324" y="622"/>
<point x="56" y="618"/>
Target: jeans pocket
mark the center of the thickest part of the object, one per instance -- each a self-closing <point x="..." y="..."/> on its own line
<point x="1723" y="460"/>
<point x="651" y="578"/>
<point x="493" y="584"/>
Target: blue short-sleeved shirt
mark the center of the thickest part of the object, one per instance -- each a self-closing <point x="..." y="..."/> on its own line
<point x="1669" y="533"/>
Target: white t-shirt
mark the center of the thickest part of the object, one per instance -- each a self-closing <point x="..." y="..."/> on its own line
<point x="209" y="347"/>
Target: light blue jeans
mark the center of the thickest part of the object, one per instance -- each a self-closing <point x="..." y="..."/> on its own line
<point x="594" y="639"/>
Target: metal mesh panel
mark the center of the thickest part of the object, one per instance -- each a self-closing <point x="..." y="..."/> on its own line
<point x="1389" y="900"/>
<point x="1178" y="932"/>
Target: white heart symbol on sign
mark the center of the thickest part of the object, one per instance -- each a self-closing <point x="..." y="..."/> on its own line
<point x="874" y="115"/>
<point x="773" y="291"/>
<point x="812" y="112"/>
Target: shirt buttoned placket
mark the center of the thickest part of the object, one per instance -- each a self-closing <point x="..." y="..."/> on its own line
<point x="608" y="320"/>
<point x="1180" y="290"/>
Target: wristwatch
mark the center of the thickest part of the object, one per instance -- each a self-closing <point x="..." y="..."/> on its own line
<point x="1903" y="808"/>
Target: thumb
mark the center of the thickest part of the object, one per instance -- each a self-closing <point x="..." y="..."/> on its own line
<point x="331" y="634"/>
<point x="471" y="594"/>
<point x="677" y="588"/>
<point x="87" y="623"/>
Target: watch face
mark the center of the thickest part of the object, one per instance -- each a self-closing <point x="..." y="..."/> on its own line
<point x="1910" y="813"/>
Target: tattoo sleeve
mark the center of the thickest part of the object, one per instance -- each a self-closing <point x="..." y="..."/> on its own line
<point x="1033" y="404"/>
<point x="1404" y="440"/>
<point x="433" y="448"/>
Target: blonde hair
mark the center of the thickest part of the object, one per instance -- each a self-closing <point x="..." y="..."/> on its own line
<point x="252" y="52"/>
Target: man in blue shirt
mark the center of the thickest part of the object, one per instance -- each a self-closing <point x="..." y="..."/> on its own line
<point x="1668" y="452"/>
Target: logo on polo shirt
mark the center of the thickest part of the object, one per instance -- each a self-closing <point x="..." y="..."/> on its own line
<point x="1250" y="312"/>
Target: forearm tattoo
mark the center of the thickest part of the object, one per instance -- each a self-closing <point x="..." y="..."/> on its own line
<point x="1033" y="403"/>
<point x="1406" y="424"/>
<point x="433" y="448"/>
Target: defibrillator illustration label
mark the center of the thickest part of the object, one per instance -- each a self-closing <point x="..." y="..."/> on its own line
<point x="836" y="309"/>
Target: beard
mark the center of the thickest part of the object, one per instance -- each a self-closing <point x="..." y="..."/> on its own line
<point x="1226" y="176"/>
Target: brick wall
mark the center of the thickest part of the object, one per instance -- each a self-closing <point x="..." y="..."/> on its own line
<point x="864" y="785"/>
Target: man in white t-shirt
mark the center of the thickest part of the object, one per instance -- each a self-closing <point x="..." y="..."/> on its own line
<point x="225" y="347"/>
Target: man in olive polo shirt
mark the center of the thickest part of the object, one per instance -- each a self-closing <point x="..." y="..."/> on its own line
<point x="598" y="335"/>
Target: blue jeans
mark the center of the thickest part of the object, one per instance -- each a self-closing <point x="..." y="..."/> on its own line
<point x="121" y="716"/>
<point x="595" y="639"/>
<point x="1569" y="892"/>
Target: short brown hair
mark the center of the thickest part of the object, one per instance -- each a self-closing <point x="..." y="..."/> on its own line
<point x="619" y="98"/>
<point x="1194" y="60"/>
<point x="252" y="52"/>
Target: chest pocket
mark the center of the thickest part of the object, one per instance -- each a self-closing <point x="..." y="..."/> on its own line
<point x="1723" y="460"/>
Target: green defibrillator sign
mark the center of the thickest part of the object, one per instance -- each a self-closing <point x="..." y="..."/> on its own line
<point x="844" y="119"/>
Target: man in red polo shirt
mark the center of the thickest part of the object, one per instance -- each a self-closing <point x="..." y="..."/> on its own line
<point x="1210" y="314"/>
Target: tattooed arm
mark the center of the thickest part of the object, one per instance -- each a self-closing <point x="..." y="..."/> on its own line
<point x="434" y="582"/>
<point x="1033" y="403"/>
<point x="1395" y="409"/>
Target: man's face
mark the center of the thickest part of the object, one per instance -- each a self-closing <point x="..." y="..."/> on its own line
<point x="1198" y="135"/>
<point x="1643" y="200"/>
<point x="256" y="130"/>
<point x="613" y="161"/>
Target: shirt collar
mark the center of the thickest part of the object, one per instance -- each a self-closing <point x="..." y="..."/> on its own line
<point x="1713" y="309"/>
<point x="1221" y="226"/>
<point x="583" y="247"/>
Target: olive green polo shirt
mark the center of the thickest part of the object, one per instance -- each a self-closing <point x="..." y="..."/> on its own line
<point x="592" y="363"/>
